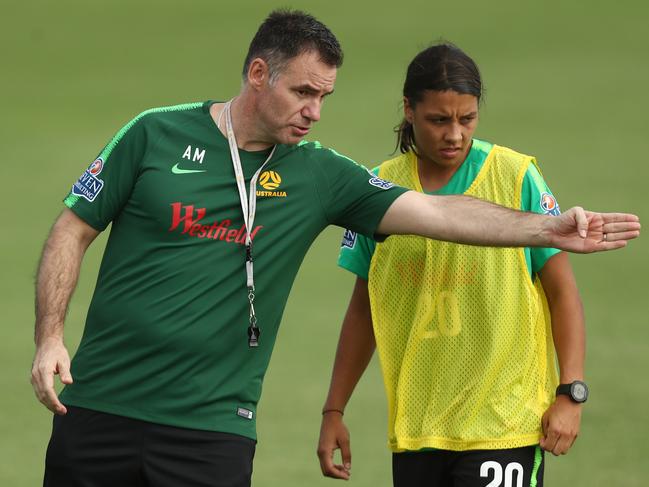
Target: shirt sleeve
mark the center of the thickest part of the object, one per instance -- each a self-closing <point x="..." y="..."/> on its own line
<point x="351" y="196"/>
<point x="537" y="198"/>
<point x="356" y="250"/>
<point x="356" y="253"/>
<point x="102" y="190"/>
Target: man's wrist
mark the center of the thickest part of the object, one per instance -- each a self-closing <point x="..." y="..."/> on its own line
<point x="544" y="235"/>
<point x="40" y="339"/>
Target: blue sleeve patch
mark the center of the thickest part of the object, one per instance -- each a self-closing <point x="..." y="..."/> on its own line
<point x="381" y="183"/>
<point x="549" y="204"/>
<point x="89" y="185"/>
<point x="377" y="181"/>
<point x="349" y="239"/>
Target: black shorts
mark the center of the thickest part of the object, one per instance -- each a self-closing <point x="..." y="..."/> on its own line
<point x="89" y="448"/>
<point x="517" y="467"/>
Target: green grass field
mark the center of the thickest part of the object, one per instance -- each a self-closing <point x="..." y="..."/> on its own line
<point x="566" y="81"/>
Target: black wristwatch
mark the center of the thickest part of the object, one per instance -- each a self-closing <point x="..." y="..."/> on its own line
<point x="577" y="391"/>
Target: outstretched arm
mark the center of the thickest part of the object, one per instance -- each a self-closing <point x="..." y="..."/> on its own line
<point x="355" y="348"/>
<point x="561" y="421"/>
<point x="468" y="220"/>
<point x="56" y="279"/>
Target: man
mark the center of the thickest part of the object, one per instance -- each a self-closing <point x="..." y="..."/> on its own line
<point x="164" y="386"/>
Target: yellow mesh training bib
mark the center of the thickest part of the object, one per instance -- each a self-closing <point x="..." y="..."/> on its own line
<point x="463" y="334"/>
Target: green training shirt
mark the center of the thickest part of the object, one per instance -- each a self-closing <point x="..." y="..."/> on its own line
<point x="166" y="338"/>
<point x="356" y="250"/>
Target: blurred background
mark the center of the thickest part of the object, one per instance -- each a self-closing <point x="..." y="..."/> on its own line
<point x="566" y="81"/>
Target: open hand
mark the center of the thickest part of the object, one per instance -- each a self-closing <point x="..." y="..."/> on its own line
<point x="582" y="231"/>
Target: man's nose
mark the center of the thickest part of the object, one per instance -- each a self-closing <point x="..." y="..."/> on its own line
<point x="312" y="110"/>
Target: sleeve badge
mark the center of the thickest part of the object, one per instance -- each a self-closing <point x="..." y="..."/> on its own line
<point x="349" y="239"/>
<point x="549" y="204"/>
<point x="88" y="186"/>
<point x="381" y="183"/>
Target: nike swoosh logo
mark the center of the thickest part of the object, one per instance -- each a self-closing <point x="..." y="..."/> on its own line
<point x="176" y="170"/>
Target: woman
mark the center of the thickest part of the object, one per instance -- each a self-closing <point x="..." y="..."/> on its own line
<point x="467" y="337"/>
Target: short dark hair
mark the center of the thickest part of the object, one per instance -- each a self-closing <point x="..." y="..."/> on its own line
<point x="286" y="34"/>
<point x="440" y="67"/>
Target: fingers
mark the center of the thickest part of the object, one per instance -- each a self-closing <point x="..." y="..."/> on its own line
<point x="612" y="227"/>
<point x="43" y="384"/>
<point x="334" y="436"/>
<point x="557" y="443"/>
<point x="51" y="358"/>
<point x="560" y="425"/>
<point x="581" y="220"/>
<point x="617" y="236"/>
<point x="617" y="229"/>
<point x="563" y="445"/>
<point x="609" y="241"/>
<point x="613" y="235"/>
<point x="544" y="442"/>
<point x="328" y="467"/>
<point x="346" y="454"/>
<point x="550" y="440"/>
<point x="621" y="217"/>
<point x="64" y="372"/>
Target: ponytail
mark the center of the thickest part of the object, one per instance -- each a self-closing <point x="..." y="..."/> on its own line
<point x="405" y="137"/>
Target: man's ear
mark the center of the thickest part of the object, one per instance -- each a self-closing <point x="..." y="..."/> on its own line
<point x="258" y="73"/>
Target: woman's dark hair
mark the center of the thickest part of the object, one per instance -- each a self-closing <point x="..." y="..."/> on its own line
<point x="441" y="67"/>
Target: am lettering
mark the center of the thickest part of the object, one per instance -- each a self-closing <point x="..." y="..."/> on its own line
<point x="198" y="155"/>
<point x="191" y="218"/>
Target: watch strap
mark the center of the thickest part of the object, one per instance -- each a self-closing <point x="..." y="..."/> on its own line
<point x="577" y="391"/>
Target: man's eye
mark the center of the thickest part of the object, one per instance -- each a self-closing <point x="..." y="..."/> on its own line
<point x="466" y="120"/>
<point x="302" y="92"/>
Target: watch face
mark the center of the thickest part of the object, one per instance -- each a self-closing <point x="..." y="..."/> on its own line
<point x="579" y="391"/>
